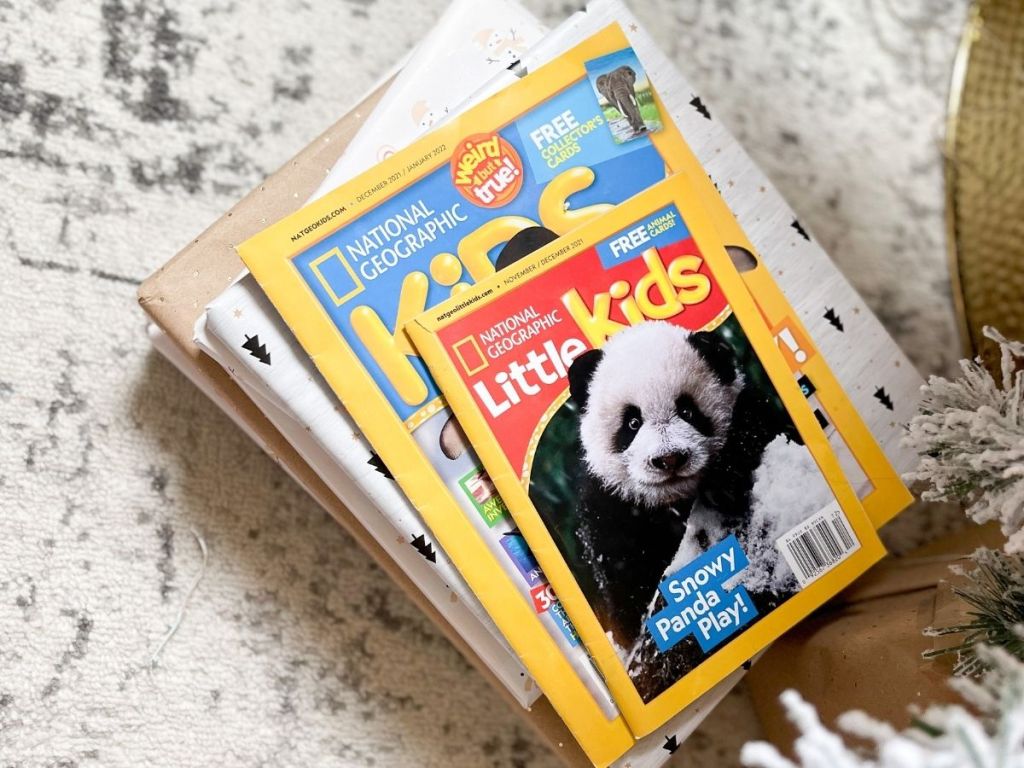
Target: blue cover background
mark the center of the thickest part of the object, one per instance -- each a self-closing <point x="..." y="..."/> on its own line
<point x="621" y="171"/>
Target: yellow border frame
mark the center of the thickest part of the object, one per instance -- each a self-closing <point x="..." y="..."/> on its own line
<point x="479" y="353"/>
<point x="645" y="717"/>
<point x="314" y="266"/>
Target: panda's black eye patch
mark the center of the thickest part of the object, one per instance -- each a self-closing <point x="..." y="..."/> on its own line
<point x="688" y="410"/>
<point x="629" y="425"/>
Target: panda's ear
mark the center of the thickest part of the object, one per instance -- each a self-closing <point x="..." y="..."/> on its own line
<point x="716" y="353"/>
<point x="580" y="373"/>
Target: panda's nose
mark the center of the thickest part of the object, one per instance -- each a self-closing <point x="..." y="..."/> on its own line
<point x="670" y="462"/>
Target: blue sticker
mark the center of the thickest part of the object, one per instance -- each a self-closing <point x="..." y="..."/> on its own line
<point x="569" y="130"/>
<point x="515" y="546"/>
<point x="657" y="230"/>
<point x="562" y="622"/>
<point x="698" y="602"/>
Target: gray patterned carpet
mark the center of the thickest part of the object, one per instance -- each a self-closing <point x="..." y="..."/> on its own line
<point x="126" y="127"/>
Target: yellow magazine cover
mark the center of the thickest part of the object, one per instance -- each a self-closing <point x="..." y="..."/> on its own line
<point x="635" y="413"/>
<point x="558" y="148"/>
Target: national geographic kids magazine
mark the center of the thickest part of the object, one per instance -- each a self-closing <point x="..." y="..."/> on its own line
<point x="348" y="271"/>
<point x="638" y="418"/>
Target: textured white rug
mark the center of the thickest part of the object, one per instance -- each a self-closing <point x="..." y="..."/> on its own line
<point x="126" y="127"/>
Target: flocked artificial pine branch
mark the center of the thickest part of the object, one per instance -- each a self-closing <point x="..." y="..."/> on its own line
<point x="970" y="434"/>
<point x="994" y="592"/>
<point x="988" y="735"/>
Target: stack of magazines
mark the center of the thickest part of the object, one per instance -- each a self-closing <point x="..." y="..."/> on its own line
<point x="578" y="376"/>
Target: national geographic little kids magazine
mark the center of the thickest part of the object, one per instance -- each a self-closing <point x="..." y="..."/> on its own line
<point x="636" y="414"/>
<point x="349" y="270"/>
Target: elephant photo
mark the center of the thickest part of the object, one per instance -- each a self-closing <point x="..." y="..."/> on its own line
<point x="617" y="88"/>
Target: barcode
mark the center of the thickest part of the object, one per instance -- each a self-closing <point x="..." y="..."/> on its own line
<point x="818" y="544"/>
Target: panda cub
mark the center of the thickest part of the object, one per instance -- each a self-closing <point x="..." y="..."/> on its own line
<point x="665" y="417"/>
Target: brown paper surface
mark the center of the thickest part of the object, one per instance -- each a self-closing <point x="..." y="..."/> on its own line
<point x="174" y="297"/>
<point x="863" y="651"/>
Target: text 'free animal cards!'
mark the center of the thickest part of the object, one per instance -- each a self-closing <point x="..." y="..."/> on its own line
<point x="635" y="413"/>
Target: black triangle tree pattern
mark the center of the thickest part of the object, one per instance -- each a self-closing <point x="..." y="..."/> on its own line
<point x="697" y="104"/>
<point x="257" y="350"/>
<point x="883" y="397"/>
<point x="424" y="547"/>
<point x="834" y="319"/>
<point x="377" y="463"/>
